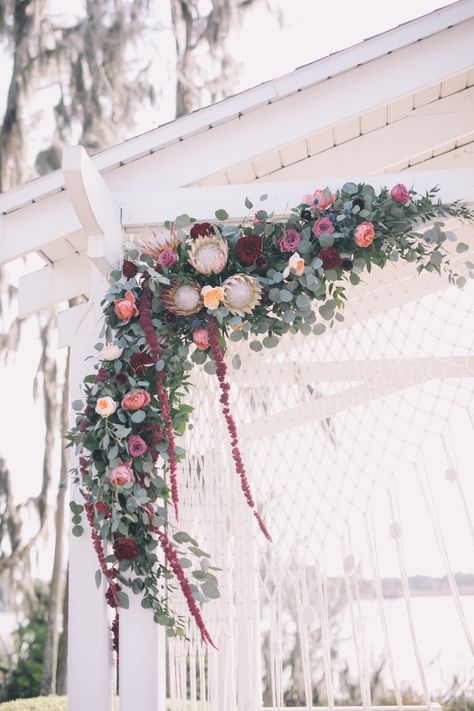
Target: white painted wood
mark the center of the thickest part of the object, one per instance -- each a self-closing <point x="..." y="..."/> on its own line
<point x="397" y="110"/>
<point x="321" y="141"/>
<point x="153" y="207"/>
<point x="373" y="120"/>
<point x="267" y="163"/>
<point x="454" y="84"/>
<point x="53" y="284"/>
<point x="297" y="116"/>
<point x="460" y="158"/>
<point x="426" y="96"/>
<point x="294" y="152"/>
<point x="423" y="130"/>
<point x="95" y="206"/>
<point x="142" y="664"/>
<point x="243" y="173"/>
<point x="18" y="237"/>
<point x="279" y="374"/>
<point x="346" y="131"/>
<point x="90" y="661"/>
<point x="60" y="249"/>
<point x="69" y="322"/>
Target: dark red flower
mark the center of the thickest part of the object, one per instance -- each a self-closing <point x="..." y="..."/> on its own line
<point x="138" y="361"/>
<point x="261" y="262"/>
<point x="248" y="248"/>
<point x="102" y="375"/>
<point x="126" y="549"/>
<point x="330" y="257"/>
<point x="347" y="264"/>
<point x="200" y="229"/>
<point x="121" y="378"/>
<point x="129" y="269"/>
<point x="83" y="425"/>
<point x="101" y="507"/>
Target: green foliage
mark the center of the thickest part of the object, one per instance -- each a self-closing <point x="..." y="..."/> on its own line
<point x="25" y="678"/>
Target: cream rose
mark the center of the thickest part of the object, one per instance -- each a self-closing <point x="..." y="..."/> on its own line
<point x="111" y="352"/>
<point x="106" y="406"/>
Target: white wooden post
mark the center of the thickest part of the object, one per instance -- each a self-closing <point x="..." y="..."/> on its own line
<point x="142" y="644"/>
<point x="90" y="661"/>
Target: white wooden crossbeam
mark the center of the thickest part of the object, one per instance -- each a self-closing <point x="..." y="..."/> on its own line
<point x="288" y="373"/>
<point x="60" y="281"/>
<point x="144" y="208"/>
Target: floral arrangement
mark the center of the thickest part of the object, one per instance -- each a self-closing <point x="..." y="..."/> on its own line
<point x="176" y="300"/>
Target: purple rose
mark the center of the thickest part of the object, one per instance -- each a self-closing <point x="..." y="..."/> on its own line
<point x="167" y="258"/>
<point x="400" y="194"/>
<point x="136" y="446"/>
<point x="289" y="241"/>
<point x="323" y="226"/>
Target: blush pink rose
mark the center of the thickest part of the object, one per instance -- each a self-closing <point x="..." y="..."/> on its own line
<point x="122" y="474"/>
<point x="364" y="234"/>
<point x="167" y="258"/>
<point x="289" y="241"/>
<point x="136" y="446"/>
<point x="320" y="199"/>
<point x="125" y="308"/>
<point x="323" y="226"/>
<point x="135" y="400"/>
<point x="201" y="338"/>
<point x="400" y="194"/>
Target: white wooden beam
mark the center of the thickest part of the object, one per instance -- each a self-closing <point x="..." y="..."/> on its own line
<point x="288" y="373"/>
<point x="145" y="208"/>
<point x="60" y="281"/>
<point x="95" y="206"/>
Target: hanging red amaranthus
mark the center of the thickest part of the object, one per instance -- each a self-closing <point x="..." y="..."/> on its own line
<point x="145" y="320"/>
<point x="221" y="370"/>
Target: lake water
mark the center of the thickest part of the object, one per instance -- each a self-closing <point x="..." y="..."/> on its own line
<point x="442" y="642"/>
<point x="443" y="645"/>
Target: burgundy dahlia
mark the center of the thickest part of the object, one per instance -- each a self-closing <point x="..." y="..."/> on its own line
<point x="121" y="378"/>
<point x="330" y="257"/>
<point x="126" y="549"/>
<point x="200" y="229"/>
<point x="129" y="270"/>
<point x="138" y="361"/>
<point x="248" y="248"/>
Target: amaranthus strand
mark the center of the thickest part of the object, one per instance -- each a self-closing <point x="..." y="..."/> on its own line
<point x="112" y="591"/>
<point x="221" y="370"/>
<point x="152" y="339"/>
<point x="171" y="556"/>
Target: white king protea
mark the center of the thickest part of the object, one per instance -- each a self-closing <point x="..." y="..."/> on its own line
<point x="157" y="243"/>
<point x="208" y="255"/>
<point x="182" y="299"/>
<point x="241" y="294"/>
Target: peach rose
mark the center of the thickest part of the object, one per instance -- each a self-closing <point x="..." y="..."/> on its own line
<point x="135" y="400"/>
<point x="105" y="406"/>
<point x="364" y="234"/>
<point x="212" y="296"/>
<point x="295" y="263"/>
<point x="125" y="308"/>
<point x="201" y="338"/>
<point x="122" y="474"/>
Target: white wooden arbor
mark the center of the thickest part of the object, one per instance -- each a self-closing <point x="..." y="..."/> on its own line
<point x="396" y="108"/>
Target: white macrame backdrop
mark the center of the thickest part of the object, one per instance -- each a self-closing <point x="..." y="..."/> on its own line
<point x="358" y="443"/>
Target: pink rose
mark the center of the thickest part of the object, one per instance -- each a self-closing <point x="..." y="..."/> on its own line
<point x="136" y="446"/>
<point x="125" y="308"/>
<point x="400" y="194"/>
<point x="122" y="474"/>
<point x="201" y="338"/>
<point x="320" y="199"/>
<point x="364" y="234"/>
<point x="135" y="400"/>
<point x="323" y="226"/>
<point x="167" y="258"/>
<point x="289" y="241"/>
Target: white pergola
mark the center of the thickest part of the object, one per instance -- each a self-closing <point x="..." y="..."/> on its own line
<point x="397" y="108"/>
